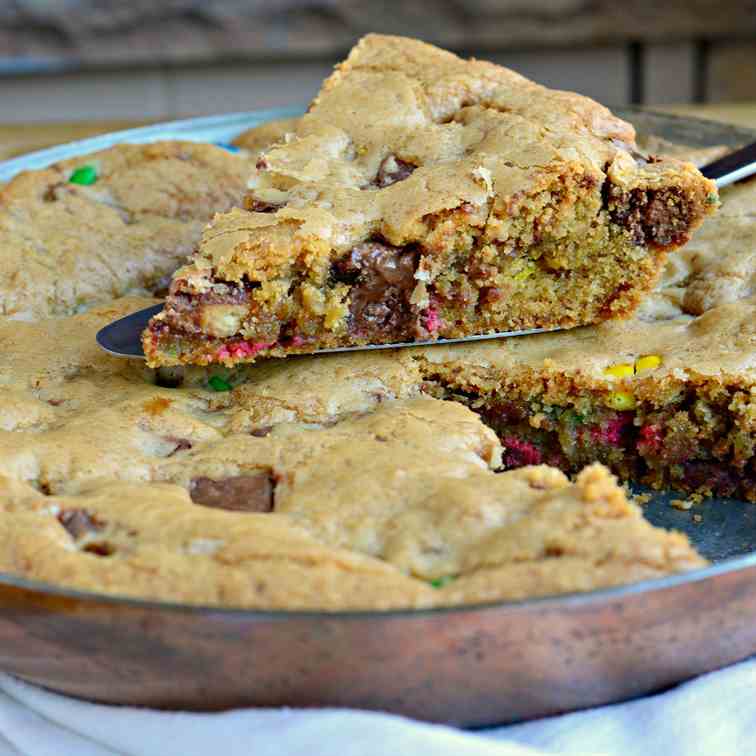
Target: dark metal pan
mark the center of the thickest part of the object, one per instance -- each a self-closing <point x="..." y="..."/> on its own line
<point x="474" y="665"/>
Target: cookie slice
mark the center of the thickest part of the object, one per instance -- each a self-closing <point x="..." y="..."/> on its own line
<point x="424" y="196"/>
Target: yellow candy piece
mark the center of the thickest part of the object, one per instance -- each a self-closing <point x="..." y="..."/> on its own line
<point x="649" y="362"/>
<point x="621" y="400"/>
<point x="619" y="370"/>
<point x="526" y="272"/>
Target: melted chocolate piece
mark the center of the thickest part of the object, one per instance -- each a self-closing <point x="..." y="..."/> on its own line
<point x="51" y="193"/>
<point x="241" y="493"/>
<point x="78" y="522"/>
<point x="382" y="279"/>
<point x="161" y="287"/>
<point x="392" y="170"/>
<point x="660" y="217"/>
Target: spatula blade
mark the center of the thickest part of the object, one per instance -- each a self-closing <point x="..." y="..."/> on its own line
<point x="123" y="337"/>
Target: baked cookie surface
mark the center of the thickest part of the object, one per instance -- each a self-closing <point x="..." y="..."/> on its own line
<point x="323" y="483"/>
<point x="423" y="196"/>
<point x="95" y="227"/>
<point x="363" y="481"/>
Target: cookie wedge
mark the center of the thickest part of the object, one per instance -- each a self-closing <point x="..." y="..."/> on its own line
<point x="424" y="196"/>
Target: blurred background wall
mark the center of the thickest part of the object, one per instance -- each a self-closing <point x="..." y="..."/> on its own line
<point x="99" y="59"/>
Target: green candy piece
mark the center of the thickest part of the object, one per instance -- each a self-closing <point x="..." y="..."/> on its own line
<point x="84" y="175"/>
<point x="442" y="581"/>
<point x="218" y="384"/>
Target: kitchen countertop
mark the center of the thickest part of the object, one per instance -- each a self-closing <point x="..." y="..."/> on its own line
<point x="18" y="138"/>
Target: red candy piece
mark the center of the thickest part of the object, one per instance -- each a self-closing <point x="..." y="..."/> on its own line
<point x="242" y="349"/>
<point x="650" y="439"/>
<point x="519" y="453"/>
<point x="431" y="320"/>
<point x="611" y="433"/>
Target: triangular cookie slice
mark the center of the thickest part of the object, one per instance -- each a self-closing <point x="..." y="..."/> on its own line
<point x="424" y="196"/>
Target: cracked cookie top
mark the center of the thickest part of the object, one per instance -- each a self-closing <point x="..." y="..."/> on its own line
<point x="97" y="226"/>
<point x="403" y="133"/>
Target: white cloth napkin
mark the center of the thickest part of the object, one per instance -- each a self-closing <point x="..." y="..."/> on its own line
<point x="714" y="715"/>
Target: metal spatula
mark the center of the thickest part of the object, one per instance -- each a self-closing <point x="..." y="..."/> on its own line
<point x="122" y="337"/>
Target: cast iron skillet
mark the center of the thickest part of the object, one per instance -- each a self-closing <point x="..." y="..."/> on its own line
<point x="474" y="665"/>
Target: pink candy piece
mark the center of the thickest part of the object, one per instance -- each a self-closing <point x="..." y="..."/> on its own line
<point x="431" y="319"/>
<point x="241" y="349"/>
<point x="650" y="438"/>
<point x="519" y="452"/>
<point x="611" y="434"/>
<point x="297" y="340"/>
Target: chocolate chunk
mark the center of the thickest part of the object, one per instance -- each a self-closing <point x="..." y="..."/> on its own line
<point x="490" y="294"/>
<point x="100" y="548"/>
<point x="262" y="431"/>
<point x="710" y="475"/>
<point x="161" y="287"/>
<point x="51" y="193"/>
<point x="382" y="279"/>
<point x="78" y="522"/>
<point x="255" y="205"/>
<point x="241" y="493"/>
<point x="660" y="217"/>
<point x="392" y="170"/>
<point x="182" y="444"/>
